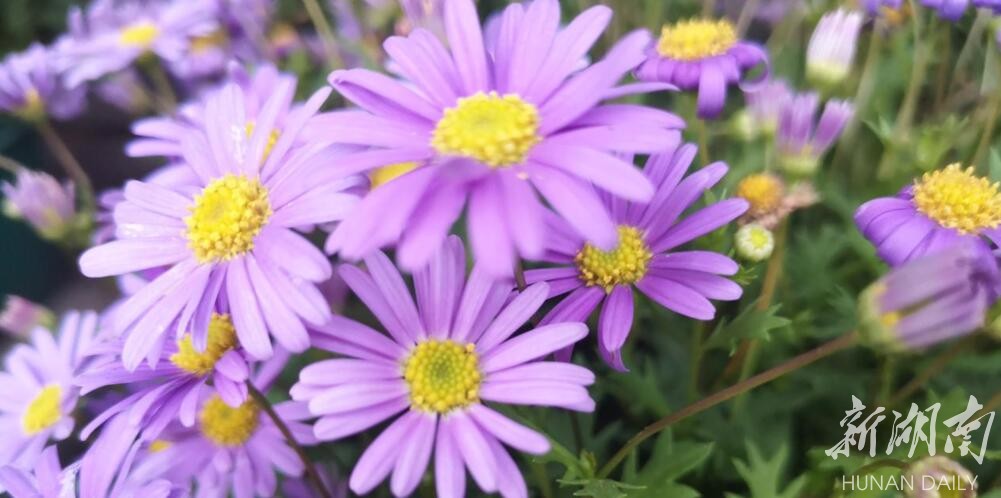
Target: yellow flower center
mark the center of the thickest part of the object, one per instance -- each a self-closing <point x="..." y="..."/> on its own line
<point x="33" y="108"/>
<point x="442" y="376"/>
<point x="386" y="174"/>
<point x="226" y="217"/>
<point x="624" y="265"/>
<point x="43" y="411"/>
<point x="493" y="129"/>
<point x="221" y="339"/>
<point x="139" y="35"/>
<point x="159" y="445"/>
<point x="958" y="199"/>
<point x="762" y="191"/>
<point x="272" y="139"/>
<point x="696" y="39"/>
<point x="225" y="425"/>
<point x="204" y="43"/>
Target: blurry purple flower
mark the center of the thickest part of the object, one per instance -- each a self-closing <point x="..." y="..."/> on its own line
<point x="764" y="106"/>
<point x="38" y="391"/>
<point x="930" y="299"/>
<point x="302" y="488"/>
<point x="104" y="472"/>
<point x="124" y="91"/>
<point x="875" y="7"/>
<point x="39" y="199"/>
<point x="229" y="238"/>
<point x="444" y="358"/>
<point x="229" y="451"/>
<point x="702" y="55"/>
<point x="31" y="87"/>
<point x="112" y="34"/>
<point x="495" y="129"/>
<point x="182" y="375"/>
<point x="951" y="10"/>
<point x="206" y="57"/>
<point x="427" y="14"/>
<point x="162" y="135"/>
<point x="802" y="139"/>
<point x="994" y="5"/>
<point x="941" y="209"/>
<point x="645" y="258"/>
<point x="832" y="47"/>
<point x="21" y="316"/>
<point x="768" y="11"/>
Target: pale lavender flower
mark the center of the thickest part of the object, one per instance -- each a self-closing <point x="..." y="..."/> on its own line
<point x="229" y="451"/>
<point x="802" y="139"/>
<point x="445" y="358"/>
<point x="112" y="34"/>
<point x="37" y="390"/>
<point x="228" y="240"/>
<point x="38" y="198"/>
<point x="32" y="88"/>
<point x="124" y="90"/>
<point x="931" y="299"/>
<point x="646" y="258"/>
<point x="831" y="51"/>
<point x="103" y="472"/>
<point x="764" y="106"/>
<point x="21" y="316"/>
<point x="494" y="129"/>
<point x="994" y="5"/>
<point x="875" y="7"/>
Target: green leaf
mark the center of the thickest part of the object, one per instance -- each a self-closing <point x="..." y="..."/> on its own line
<point x="671" y="460"/>
<point x="600" y="488"/>
<point x="764" y="475"/>
<point x="751" y="323"/>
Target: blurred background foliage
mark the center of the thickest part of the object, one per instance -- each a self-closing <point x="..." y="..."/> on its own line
<point x="768" y="444"/>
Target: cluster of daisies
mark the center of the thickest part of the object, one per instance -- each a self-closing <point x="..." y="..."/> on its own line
<point x="510" y="128"/>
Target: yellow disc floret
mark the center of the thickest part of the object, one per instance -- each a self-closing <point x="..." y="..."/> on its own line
<point x="225" y="425"/>
<point x="442" y="376"/>
<point x="493" y="129"/>
<point x="226" y="217"/>
<point x="958" y="199"/>
<point x="158" y="445"/>
<point x="388" y="173"/>
<point x="139" y="35"/>
<point x="696" y="39"/>
<point x="763" y="191"/>
<point x="43" y="411"/>
<point x="624" y="265"/>
<point x="221" y="339"/>
<point x="33" y="107"/>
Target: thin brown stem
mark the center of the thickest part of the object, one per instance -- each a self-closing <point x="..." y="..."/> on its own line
<point x="519" y="276"/>
<point x="164" y="91"/>
<point x="936" y="366"/>
<point x="69" y="163"/>
<point x="311" y="473"/>
<point x="824" y="350"/>
<point x="9" y="165"/>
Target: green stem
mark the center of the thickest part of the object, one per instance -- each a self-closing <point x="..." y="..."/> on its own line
<point x="167" y="100"/>
<point x="319" y="20"/>
<point x="69" y="163"/>
<point x="9" y="165"/>
<point x="750" y="7"/>
<point x="984" y="145"/>
<point x="542" y="479"/>
<point x="311" y="473"/>
<point x="866" y="87"/>
<point x="936" y="366"/>
<point x="824" y="350"/>
<point x="979" y="25"/>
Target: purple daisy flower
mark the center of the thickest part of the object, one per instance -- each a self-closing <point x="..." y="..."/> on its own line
<point x="832" y="47"/>
<point x="112" y="34"/>
<point x="172" y="388"/>
<point x="38" y="198"/>
<point x="38" y="391"/>
<point x="229" y="241"/>
<point x="764" y="106"/>
<point x="682" y="281"/>
<point x="803" y="139"/>
<point x="31" y="87"/>
<point x="445" y="357"/>
<point x="875" y="7"/>
<point x="103" y="472"/>
<point x="994" y="5"/>
<point x="162" y="135"/>
<point x="931" y="299"/>
<point x="702" y="55"/>
<point x="497" y="128"/>
<point x="231" y="451"/>
<point x="939" y="210"/>
<point x="950" y="10"/>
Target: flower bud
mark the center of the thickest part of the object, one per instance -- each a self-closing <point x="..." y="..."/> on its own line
<point x="754" y="242"/>
<point x="20" y="316"/>
<point x="940" y="477"/>
<point x="832" y="48"/>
